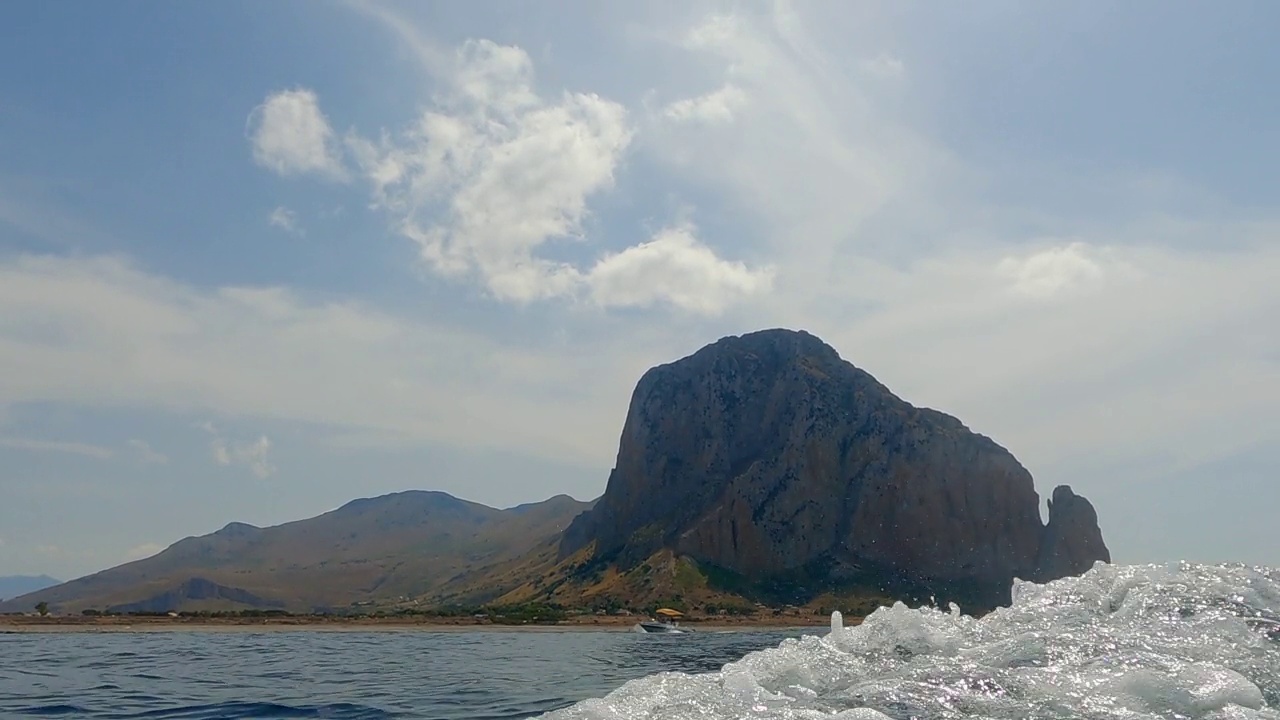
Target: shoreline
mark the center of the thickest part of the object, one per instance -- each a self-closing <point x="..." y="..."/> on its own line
<point x="26" y="624"/>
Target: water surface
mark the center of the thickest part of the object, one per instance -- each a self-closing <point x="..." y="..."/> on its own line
<point x="301" y="674"/>
<point x="1182" y="642"/>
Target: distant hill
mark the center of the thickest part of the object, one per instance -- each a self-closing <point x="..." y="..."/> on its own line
<point x="381" y="550"/>
<point x="12" y="586"/>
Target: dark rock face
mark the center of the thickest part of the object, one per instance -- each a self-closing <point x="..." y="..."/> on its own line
<point x="1072" y="541"/>
<point x="768" y="454"/>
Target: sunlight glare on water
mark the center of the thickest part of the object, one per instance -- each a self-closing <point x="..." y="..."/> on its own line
<point x="1131" y="643"/>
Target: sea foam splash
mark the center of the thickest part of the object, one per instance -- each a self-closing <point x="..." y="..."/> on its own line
<point x="1120" y="642"/>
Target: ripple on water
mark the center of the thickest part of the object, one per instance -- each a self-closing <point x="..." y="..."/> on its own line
<point x="318" y="674"/>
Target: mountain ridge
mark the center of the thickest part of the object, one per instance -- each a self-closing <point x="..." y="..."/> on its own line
<point x="398" y="545"/>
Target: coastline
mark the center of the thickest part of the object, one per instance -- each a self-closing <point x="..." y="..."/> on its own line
<point x="72" y="624"/>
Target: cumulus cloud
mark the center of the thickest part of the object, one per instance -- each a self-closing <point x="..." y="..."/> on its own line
<point x="675" y="267"/>
<point x="285" y="219"/>
<point x="290" y="136"/>
<point x="493" y="173"/>
<point x="253" y="455"/>
<point x="1053" y="271"/>
<point x="56" y="446"/>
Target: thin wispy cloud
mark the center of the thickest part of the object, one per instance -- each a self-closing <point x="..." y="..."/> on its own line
<point x="883" y="66"/>
<point x="253" y="455"/>
<point x="285" y="219"/>
<point x="56" y="446"/>
<point x="715" y="107"/>
<point x="145" y="454"/>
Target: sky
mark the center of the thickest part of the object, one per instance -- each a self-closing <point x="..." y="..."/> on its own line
<point x="259" y="259"/>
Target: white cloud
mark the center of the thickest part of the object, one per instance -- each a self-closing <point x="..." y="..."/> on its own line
<point x="1054" y="271"/>
<point x="252" y="455"/>
<point x="674" y="267"/>
<point x="146" y="455"/>
<point x="56" y="446"/>
<point x="255" y="456"/>
<point x="713" y="108"/>
<point x="285" y="219"/>
<point x="221" y="454"/>
<point x="145" y="550"/>
<point x="290" y="136"/>
<point x="883" y="66"/>
<point x="493" y="173"/>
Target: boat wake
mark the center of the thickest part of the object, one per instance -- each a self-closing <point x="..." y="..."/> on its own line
<point x="1119" y="643"/>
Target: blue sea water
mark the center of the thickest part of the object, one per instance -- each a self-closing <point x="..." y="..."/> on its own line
<point x="1120" y="643"/>
<point x="341" y="675"/>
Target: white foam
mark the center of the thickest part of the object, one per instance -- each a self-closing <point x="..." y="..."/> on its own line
<point x="1131" y="643"/>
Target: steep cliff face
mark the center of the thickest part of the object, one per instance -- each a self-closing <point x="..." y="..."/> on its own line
<point x="767" y="454"/>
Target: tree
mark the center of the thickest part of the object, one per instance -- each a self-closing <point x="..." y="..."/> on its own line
<point x="42" y="607"/>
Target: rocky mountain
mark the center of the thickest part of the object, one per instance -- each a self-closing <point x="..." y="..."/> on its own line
<point x="776" y="466"/>
<point x="413" y="544"/>
<point x="12" y="586"/>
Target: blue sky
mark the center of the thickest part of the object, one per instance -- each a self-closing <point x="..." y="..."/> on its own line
<point x="257" y="259"/>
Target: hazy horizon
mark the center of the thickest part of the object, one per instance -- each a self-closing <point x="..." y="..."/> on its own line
<point x="260" y="259"/>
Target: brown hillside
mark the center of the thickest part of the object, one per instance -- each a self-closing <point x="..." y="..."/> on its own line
<point x="374" y="550"/>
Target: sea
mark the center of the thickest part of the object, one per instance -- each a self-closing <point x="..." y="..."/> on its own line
<point x="1119" y="643"/>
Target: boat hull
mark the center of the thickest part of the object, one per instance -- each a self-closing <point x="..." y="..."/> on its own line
<point x="659" y="628"/>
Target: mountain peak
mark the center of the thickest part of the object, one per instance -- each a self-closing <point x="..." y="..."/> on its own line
<point x="768" y="455"/>
<point x="238" y="529"/>
<point x="433" y="499"/>
<point x="12" y="586"/>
